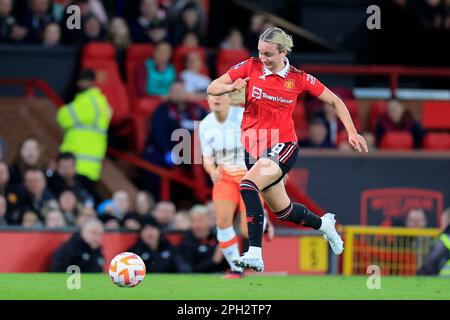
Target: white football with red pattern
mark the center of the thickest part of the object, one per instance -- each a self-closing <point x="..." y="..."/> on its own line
<point x="127" y="270"/>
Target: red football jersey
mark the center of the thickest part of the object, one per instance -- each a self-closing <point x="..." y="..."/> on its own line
<point x="270" y="102"/>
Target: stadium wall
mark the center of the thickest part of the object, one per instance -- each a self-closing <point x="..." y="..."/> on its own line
<point x="31" y="251"/>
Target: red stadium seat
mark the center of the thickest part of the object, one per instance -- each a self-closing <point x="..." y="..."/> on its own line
<point x="98" y="51"/>
<point x="436" y="115"/>
<point x="135" y="56"/>
<point x="227" y="58"/>
<point x="179" y="56"/>
<point x="101" y="59"/>
<point x="376" y="109"/>
<point x="437" y="141"/>
<point x="397" y="140"/>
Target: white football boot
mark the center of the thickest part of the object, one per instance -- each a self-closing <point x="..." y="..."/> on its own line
<point x="328" y="228"/>
<point x="249" y="261"/>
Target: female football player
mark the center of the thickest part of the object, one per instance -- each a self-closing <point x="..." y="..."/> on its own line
<point x="269" y="138"/>
<point x="223" y="159"/>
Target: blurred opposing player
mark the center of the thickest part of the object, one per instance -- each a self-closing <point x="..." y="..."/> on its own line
<point x="268" y="135"/>
<point x="223" y="160"/>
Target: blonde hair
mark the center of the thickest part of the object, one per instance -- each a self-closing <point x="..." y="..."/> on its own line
<point x="279" y="37"/>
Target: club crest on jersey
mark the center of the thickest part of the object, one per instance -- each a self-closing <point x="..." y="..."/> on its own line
<point x="289" y="84"/>
<point x="256" y="92"/>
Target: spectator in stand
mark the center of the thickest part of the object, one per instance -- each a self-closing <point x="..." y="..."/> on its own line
<point x="317" y="135"/>
<point x="35" y="195"/>
<point x="110" y="222"/>
<point x="416" y="218"/>
<point x="334" y="126"/>
<point x="118" y="33"/>
<point x="119" y="36"/>
<point x="3" y="205"/>
<point x="190" y="40"/>
<point x="118" y="206"/>
<point x="86" y="213"/>
<point x="164" y="213"/>
<point x="193" y="80"/>
<point x="397" y="118"/>
<point x="51" y="36"/>
<point x="233" y="40"/>
<point x="93" y="29"/>
<point x="437" y="261"/>
<point x="176" y="113"/>
<point x="89" y="110"/>
<point x="200" y="247"/>
<point x="143" y="203"/>
<point x="69" y="206"/>
<point x="55" y="219"/>
<point x="65" y="177"/>
<point x="158" y="254"/>
<point x="190" y="21"/>
<point x="156" y="75"/>
<point x="36" y="17"/>
<point x="29" y="156"/>
<point x="30" y="220"/>
<point x="132" y="221"/>
<point x="10" y="193"/>
<point x="151" y="25"/>
<point x="182" y="222"/>
<point x="82" y="249"/>
<point x="9" y="30"/>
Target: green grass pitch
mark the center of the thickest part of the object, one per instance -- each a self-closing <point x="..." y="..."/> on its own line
<point x="212" y="287"/>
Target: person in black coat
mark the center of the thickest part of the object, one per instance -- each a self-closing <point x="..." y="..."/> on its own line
<point x="65" y="177"/>
<point x="82" y="249"/>
<point x="158" y="254"/>
<point x="200" y="247"/>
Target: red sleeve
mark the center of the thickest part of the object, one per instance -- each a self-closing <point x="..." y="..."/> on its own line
<point x="241" y="70"/>
<point x="312" y="85"/>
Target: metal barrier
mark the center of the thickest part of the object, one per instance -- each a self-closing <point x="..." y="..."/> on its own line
<point x="397" y="251"/>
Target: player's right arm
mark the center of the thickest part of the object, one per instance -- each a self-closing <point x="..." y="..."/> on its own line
<point x="224" y="84"/>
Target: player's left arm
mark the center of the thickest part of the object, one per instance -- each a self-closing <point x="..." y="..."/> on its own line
<point x="356" y="140"/>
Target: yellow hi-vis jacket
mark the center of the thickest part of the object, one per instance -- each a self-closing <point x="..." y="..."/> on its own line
<point x="85" y="124"/>
<point x="445" y="270"/>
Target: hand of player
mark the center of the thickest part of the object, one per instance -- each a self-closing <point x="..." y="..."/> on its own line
<point x="358" y="142"/>
<point x="217" y="256"/>
<point x="239" y="84"/>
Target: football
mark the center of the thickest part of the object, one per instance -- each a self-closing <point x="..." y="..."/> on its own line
<point x="127" y="270"/>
